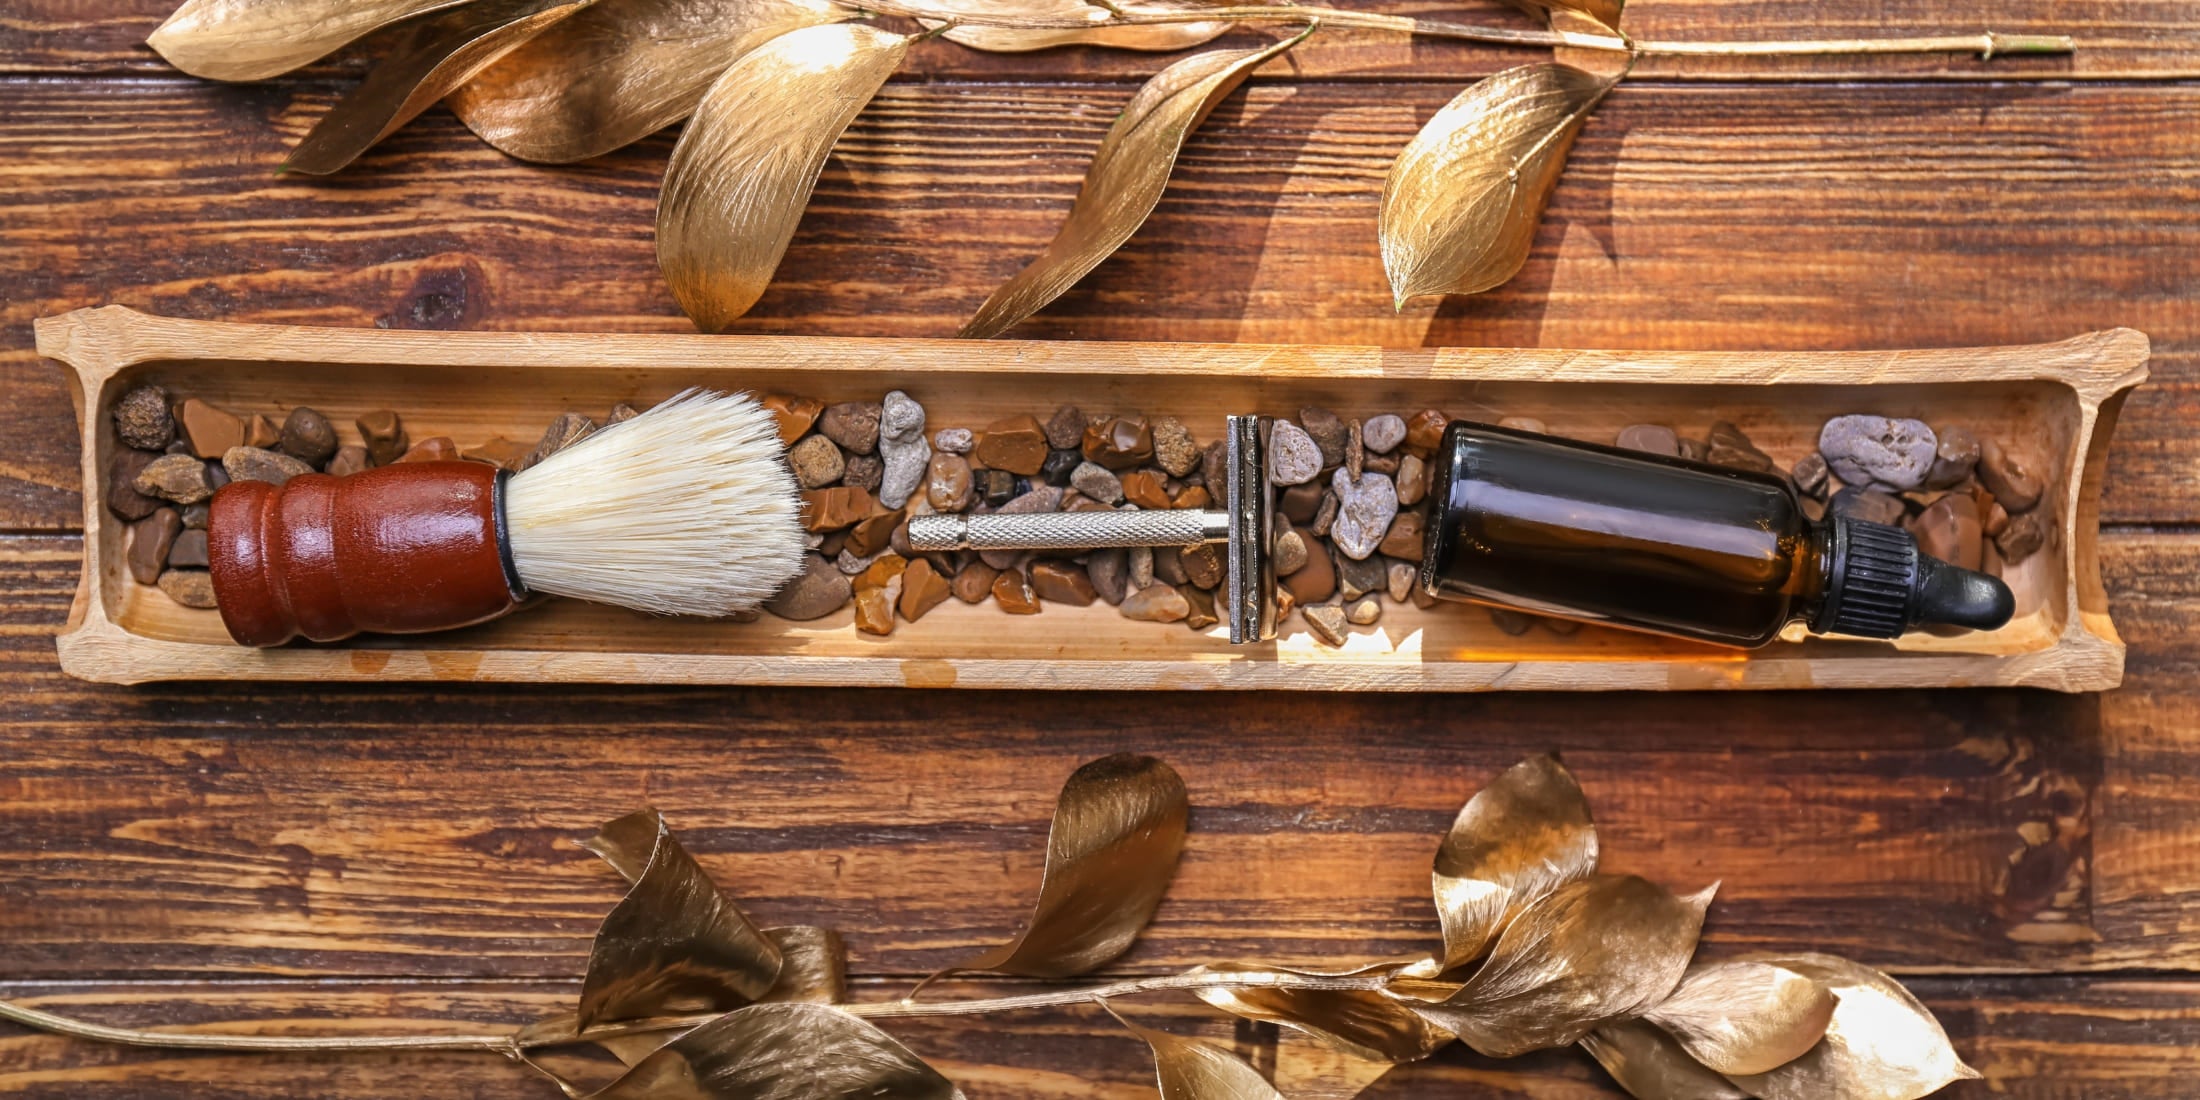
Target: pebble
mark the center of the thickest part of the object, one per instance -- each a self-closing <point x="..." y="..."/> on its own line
<point x="1065" y="430"/>
<point x="1293" y="456"/>
<point x="1324" y="516"/>
<point x="874" y="533"/>
<point x="1381" y="464"/>
<point x="566" y="430"/>
<point x="854" y="564"/>
<point x="1193" y="496"/>
<point x="1173" y="448"/>
<point x="1061" y="465"/>
<point x="1290" y="553"/>
<point x="350" y="458"/>
<point x="308" y="436"/>
<point x="1145" y="489"/>
<point x="816" y="462"/>
<point x="1365" y="509"/>
<point x="146" y="546"/>
<point x="2012" y="476"/>
<point x="874" y="611"/>
<point x="1412" y="480"/>
<point x="1012" y="591"/>
<point x="1656" y="439"/>
<point x="384" y="433"/>
<point x="864" y="472"/>
<point x="1424" y="431"/>
<point x="254" y="464"/>
<point x="973" y="582"/>
<point x="885" y="570"/>
<point x="922" y="589"/>
<point x="621" y="413"/>
<point x="1063" y="582"/>
<point x="1356" y="577"/>
<point x="1299" y="502"/>
<point x="497" y="451"/>
<point x="1168" y="565"/>
<point x="954" y="441"/>
<point x="1097" y="482"/>
<point x="142" y="419"/>
<point x="1109" y="572"/>
<point x="1016" y="444"/>
<point x="947" y="482"/>
<point x="817" y="591"/>
<point x="1809" y="476"/>
<point x="1201" y="608"/>
<point x="1525" y="424"/>
<point x="1949" y="529"/>
<point x="902" y="447"/>
<point x="1203" y="565"/>
<point x="1316" y="580"/>
<point x="188" y="551"/>
<point x="1355" y="452"/>
<point x="1327" y="623"/>
<point x="261" y="432"/>
<point x="437" y="449"/>
<point x="1995" y="520"/>
<point x="1119" y="442"/>
<point x="209" y="432"/>
<point x="123" y="498"/>
<point x="1138" y="567"/>
<point x="1725" y="445"/>
<point x="182" y="479"/>
<point x="1511" y="622"/>
<point x="853" y="425"/>
<point x="1878" y="452"/>
<point x="1156" y="603"/>
<point x="1402" y="577"/>
<point x="1955" y="456"/>
<point x="1870" y="505"/>
<point x="1328" y="432"/>
<point x="189" y="587"/>
<point x="1214" y="465"/>
<point x="1365" y="612"/>
<point x="793" y="414"/>
<point x="2025" y="534"/>
<point x="196" y="515"/>
<point x="1407" y="537"/>
<point x="1382" y="434"/>
<point x="834" y="508"/>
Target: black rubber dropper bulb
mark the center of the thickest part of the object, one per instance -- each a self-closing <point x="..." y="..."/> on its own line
<point x="1647" y="542"/>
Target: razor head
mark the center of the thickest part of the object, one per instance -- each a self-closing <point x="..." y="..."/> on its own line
<point x="1251" y="502"/>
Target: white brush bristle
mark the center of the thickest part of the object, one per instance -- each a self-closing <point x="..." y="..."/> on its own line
<point x="686" y="509"/>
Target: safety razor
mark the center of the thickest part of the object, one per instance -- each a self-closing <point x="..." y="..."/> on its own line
<point x="1246" y="522"/>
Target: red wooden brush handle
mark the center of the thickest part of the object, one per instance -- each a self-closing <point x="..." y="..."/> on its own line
<point x="396" y="550"/>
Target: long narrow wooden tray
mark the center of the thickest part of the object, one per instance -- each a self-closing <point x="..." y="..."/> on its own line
<point x="2062" y="397"/>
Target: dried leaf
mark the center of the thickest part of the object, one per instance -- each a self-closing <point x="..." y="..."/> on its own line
<point x="1362" y="1023"/>
<point x="1462" y="203"/>
<point x="1651" y="1066"/>
<point x="619" y="72"/>
<point x="1152" y="36"/>
<point x="782" y="1052"/>
<point x="1595" y="950"/>
<point x="1745" y="1017"/>
<point x="1604" y="13"/>
<point x="1125" y="180"/>
<point x="431" y="57"/>
<point x="1881" y="1045"/>
<point x="1191" y="1069"/>
<point x="257" y="39"/>
<point x="749" y="157"/>
<point x="674" y="943"/>
<point x="1526" y="834"/>
<point x="1112" y="849"/>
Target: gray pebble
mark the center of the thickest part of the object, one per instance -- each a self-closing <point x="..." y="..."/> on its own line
<point x="955" y="441"/>
<point x="1402" y="577"/>
<point x="1382" y="434"/>
<point x="1654" y="439"/>
<point x="1293" y="459"/>
<point x="1098" y="482"/>
<point x="901" y="446"/>
<point x="1327" y="622"/>
<point x="1138" y="562"/>
<point x="1109" y="570"/>
<point x="1364" y="511"/>
<point x="817" y="591"/>
<point x="1878" y="452"/>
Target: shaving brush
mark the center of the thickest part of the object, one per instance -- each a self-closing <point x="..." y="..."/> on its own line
<point x="687" y="509"/>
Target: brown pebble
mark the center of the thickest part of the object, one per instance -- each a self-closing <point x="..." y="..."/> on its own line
<point x="1400" y="579"/>
<point x="1695" y="450"/>
<point x="1193" y="498"/>
<point x="146" y="546"/>
<point x="816" y="462"/>
<point x="874" y="611"/>
<point x="1062" y="582"/>
<point x="853" y="425"/>
<point x="196" y="515"/>
<point x="871" y="534"/>
<point x="817" y="591"/>
<point x="1511" y="622"/>
<point x="189" y="587"/>
<point x="209" y="431"/>
<point x="1016" y="444"/>
<point x="947" y="482"/>
<point x="1012" y="591"/>
<point x="123" y="497"/>
<point x="2012" y="475"/>
<point x="1156" y="603"/>
<point x="1725" y="445"/>
<point x="188" y="551"/>
<point x="1810" y="476"/>
<point x="349" y="459"/>
<point x="566" y="430"/>
<point x="254" y="464"/>
<point x="1412" y="479"/>
<point x="1424" y="431"/>
<point x="1065" y="430"/>
<point x="1173" y="448"/>
<point x="973" y="582"/>
<point x="1405" y="539"/>
<point x="1328" y="431"/>
<point x="498" y="451"/>
<point x="1109" y="572"/>
<point x="1356" y="577"/>
<point x="1200" y="607"/>
<point x="1144" y="488"/>
<point x="1948" y="529"/>
<point x="620" y="414"/>
<point x="865" y="472"/>
<point x="1214" y="464"/>
<point x="1656" y="439"/>
<point x="433" y="449"/>
<point x="1995" y="521"/>
<point x="1326" y="622"/>
<point x="1364" y="611"/>
<point x="1386" y="463"/>
<point x="2024" y="535"/>
<point x="1355" y="452"/>
<point x="1168" y="564"/>
<point x="1316" y="580"/>
<point x="1119" y="442"/>
<point x="794" y="415"/>
<point x="1525" y="424"/>
<point x="262" y="432"/>
<point x="182" y="479"/>
<point x="882" y="571"/>
<point x="1290" y="552"/>
<point x="1869" y="505"/>
<point x="1300" y="503"/>
<point x="922" y="589"/>
<point x="142" y="419"/>
<point x="834" y="508"/>
<point x="384" y="433"/>
<point x="1203" y="565"/>
<point x="307" y="436"/>
<point x="1324" y="516"/>
<point x="1564" y="628"/>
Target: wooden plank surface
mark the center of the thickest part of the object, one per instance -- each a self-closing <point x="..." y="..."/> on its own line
<point x="190" y="854"/>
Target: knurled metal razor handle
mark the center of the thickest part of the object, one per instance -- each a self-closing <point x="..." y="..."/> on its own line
<point x="1068" y="530"/>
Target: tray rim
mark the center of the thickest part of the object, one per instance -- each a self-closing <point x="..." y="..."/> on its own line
<point x="2099" y="368"/>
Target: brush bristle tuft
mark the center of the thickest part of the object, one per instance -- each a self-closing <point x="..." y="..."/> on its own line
<point x="687" y="509"/>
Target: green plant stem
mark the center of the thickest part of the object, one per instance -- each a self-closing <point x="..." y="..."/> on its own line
<point x="511" y="1045"/>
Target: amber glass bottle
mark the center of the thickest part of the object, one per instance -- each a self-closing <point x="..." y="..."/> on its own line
<point x="1684" y="548"/>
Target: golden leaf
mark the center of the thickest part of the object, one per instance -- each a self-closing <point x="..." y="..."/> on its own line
<point x="432" y="57"/>
<point x="1745" y="1017"/>
<point x="1526" y="834"/>
<point x="619" y="72"/>
<point x="1112" y="849"/>
<point x="257" y="39"/>
<point x="674" y="943"/>
<point x="782" y="1052"/>
<point x="1150" y="36"/>
<point x="1191" y="1069"/>
<point x="1651" y="1066"/>
<point x="748" y="159"/>
<point x="1595" y="950"/>
<point x="1363" y="1023"/>
<point x="1462" y="202"/>
<point x="1603" y="13"/>
<point x="1125" y="180"/>
<point x="1881" y="1045"/>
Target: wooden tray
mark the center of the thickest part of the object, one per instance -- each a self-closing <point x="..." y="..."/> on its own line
<point x="472" y="386"/>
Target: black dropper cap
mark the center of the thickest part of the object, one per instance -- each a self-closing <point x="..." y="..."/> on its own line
<point x="1878" y="586"/>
